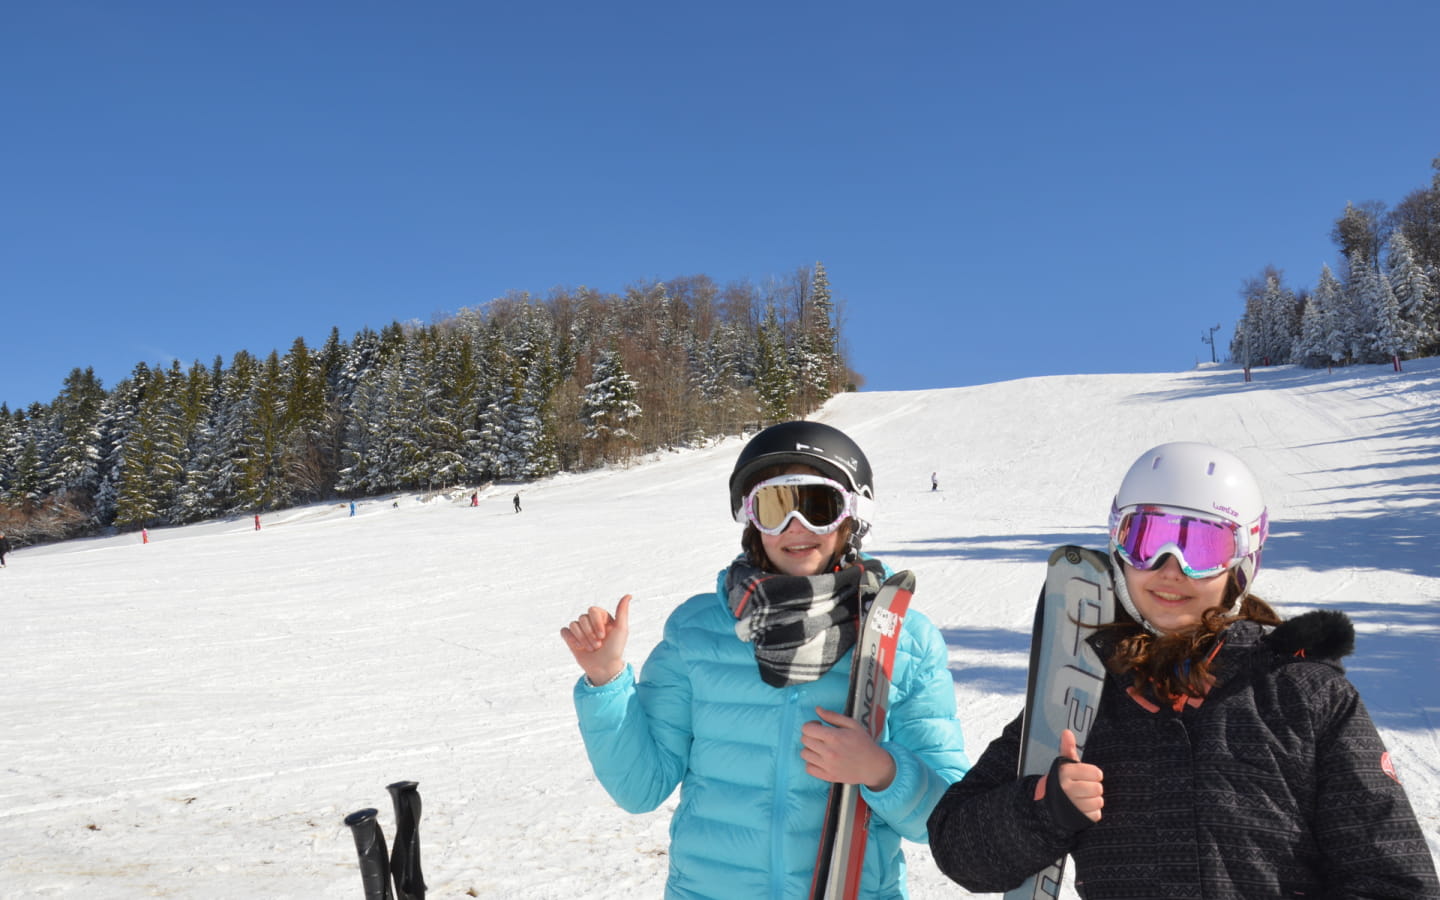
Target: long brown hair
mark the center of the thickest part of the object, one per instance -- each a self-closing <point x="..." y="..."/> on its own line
<point x="1177" y="665"/>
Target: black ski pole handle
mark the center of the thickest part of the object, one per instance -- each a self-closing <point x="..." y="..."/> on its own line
<point x="374" y="862"/>
<point x="405" y="859"/>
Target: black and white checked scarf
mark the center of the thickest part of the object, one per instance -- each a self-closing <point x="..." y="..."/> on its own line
<point x="800" y="624"/>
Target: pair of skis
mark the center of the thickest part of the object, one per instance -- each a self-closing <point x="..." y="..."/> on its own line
<point x="377" y="868"/>
<point x="841" y="859"/>
<point x="1066" y="676"/>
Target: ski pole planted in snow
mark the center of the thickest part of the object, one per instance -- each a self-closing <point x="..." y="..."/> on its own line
<point x="405" y="856"/>
<point x="374" y="863"/>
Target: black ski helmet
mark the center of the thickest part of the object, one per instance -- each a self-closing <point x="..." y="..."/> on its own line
<point x="826" y="449"/>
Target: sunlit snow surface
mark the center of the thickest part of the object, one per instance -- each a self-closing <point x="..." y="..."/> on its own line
<point x="193" y="717"/>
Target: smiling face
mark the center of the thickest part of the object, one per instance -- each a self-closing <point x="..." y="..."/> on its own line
<point x="1168" y="599"/>
<point x="799" y="551"/>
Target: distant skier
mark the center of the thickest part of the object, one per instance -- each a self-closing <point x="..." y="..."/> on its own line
<point x="4" y="548"/>
<point x="475" y="498"/>
<point x="257" y="521"/>
<point x="352" y="507"/>
<point x="934" y="481"/>
<point x="144" y="535"/>
<point x="517" y="503"/>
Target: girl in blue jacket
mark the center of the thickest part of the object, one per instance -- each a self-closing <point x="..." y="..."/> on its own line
<point x="738" y="703"/>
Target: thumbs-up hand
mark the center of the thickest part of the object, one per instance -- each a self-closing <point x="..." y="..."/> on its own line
<point x="597" y="640"/>
<point x="1081" y="782"/>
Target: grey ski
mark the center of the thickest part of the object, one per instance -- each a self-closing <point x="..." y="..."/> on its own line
<point x="1065" y="675"/>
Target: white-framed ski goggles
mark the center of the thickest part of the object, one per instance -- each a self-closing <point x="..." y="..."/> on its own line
<point x="820" y="504"/>
<point x="1203" y="546"/>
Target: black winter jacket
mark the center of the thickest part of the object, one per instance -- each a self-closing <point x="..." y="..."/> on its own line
<point x="1276" y="785"/>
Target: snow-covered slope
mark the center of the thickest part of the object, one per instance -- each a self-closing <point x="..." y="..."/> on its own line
<point x="194" y="716"/>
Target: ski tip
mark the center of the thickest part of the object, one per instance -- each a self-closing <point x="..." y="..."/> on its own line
<point x="1073" y="553"/>
<point x="360" y="815"/>
<point x="903" y="580"/>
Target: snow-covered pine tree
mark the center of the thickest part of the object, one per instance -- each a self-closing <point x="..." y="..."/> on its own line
<point x="12" y="432"/>
<point x="608" y="405"/>
<point x="824" y="332"/>
<point x="485" y="440"/>
<point x="528" y="447"/>
<point x="26" y="482"/>
<point x="396" y="450"/>
<point x="233" y="411"/>
<point x="774" y="380"/>
<point x="196" y="499"/>
<point x="1361" y="301"/>
<point x="262" y="484"/>
<point x="1418" y="298"/>
<point x="1279" y="321"/>
<point x="304" y="424"/>
<point x="152" y="469"/>
<point x="74" y="463"/>
<point x="1393" y="339"/>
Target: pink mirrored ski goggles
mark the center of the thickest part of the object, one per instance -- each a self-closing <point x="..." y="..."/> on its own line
<point x="1204" y="547"/>
<point x="820" y="504"/>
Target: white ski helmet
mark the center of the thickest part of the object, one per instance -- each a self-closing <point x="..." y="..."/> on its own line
<point x="1194" y="477"/>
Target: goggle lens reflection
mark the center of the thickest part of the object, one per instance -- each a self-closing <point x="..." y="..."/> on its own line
<point x="1203" y="547"/>
<point x="821" y="505"/>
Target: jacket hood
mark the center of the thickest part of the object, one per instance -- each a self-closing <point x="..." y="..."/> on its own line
<point x="1320" y="634"/>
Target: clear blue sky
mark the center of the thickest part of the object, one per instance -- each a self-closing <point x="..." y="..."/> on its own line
<point x="996" y="190"/>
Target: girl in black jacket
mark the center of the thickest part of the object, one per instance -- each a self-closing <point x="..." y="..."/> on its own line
<point x="1231" y="757"/>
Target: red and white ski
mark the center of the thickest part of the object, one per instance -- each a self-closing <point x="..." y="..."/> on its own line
<point x="1065" y="675"/>
<point x="841" y="859"/>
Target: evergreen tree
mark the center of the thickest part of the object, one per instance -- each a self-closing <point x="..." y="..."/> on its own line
<point x="1393" y="338"/>
<point x="395" y="456"/>
<point x="1323" y="340"/>
<point x="824" y="335"/>
<point x="774" y="384"/>
<point x="1417" y="297"/>
<point x="1361" y="301"/>
<point x="305" y="425"/>
<point x="152" y="469"/>
<point x="75" y="460"/>
<point x="608" y="405"/>
<point x="26" y="481"/>
<point x="530" y="444"/>
<point x="1360" y="232"/>
<point x="229" y="488"/>
<point x="196" y="498"/>
<point x="439" y="429"/>
<point x="1280" y="321"/>
<point x="485" y="440"/>
<point x="117" y="422"/>
<point x="361" y="449"/>
<point x="262" y="484"/>
<point x="12" y="433"/>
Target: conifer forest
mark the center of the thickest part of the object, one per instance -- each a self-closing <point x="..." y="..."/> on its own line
<point x="1382" y="306"/>
<point x="517" y="389"/>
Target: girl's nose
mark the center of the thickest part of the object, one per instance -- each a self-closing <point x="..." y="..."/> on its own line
<point x="1171" y="566"/>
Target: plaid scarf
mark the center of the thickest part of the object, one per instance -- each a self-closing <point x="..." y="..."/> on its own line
<point x="801" y="625"/>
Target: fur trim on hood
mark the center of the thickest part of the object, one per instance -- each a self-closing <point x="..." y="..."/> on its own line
<point x="1320" y="634"/>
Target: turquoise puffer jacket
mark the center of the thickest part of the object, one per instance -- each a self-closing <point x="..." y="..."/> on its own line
<point x="748" y="823"/>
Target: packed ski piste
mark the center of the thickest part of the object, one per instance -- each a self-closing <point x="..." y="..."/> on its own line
<point x="1185" y="723"/>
